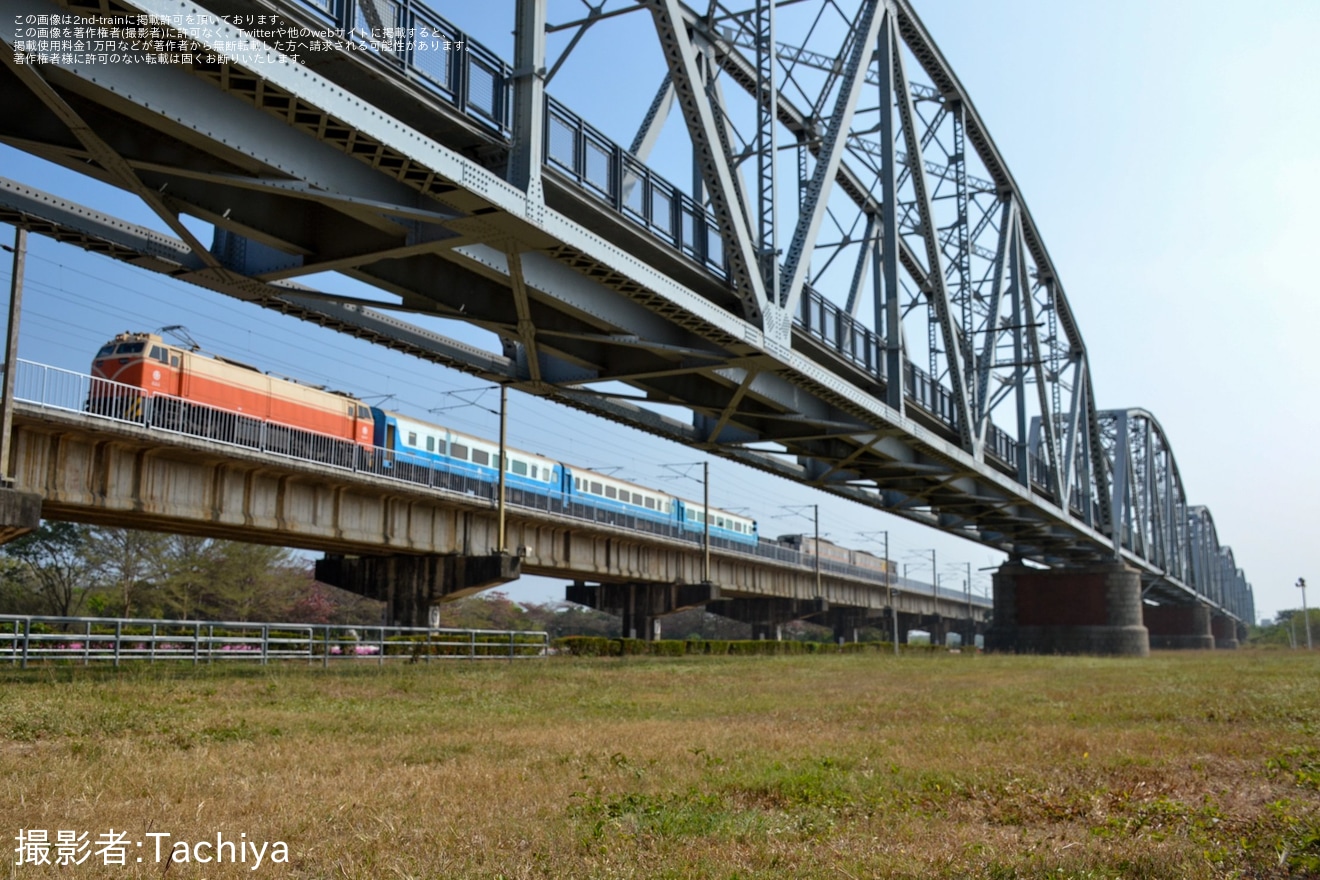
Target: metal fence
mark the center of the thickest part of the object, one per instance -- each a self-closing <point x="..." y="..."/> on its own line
<point x="49" y="387"/>
<point x="84" y="640"/>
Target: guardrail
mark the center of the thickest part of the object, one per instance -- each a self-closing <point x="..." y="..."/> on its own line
<point x="54" y="388"/>
<point x="84" y="640"/>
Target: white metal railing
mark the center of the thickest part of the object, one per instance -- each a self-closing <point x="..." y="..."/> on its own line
<point x="49" y="387"/>
<point x="84" y="640"/>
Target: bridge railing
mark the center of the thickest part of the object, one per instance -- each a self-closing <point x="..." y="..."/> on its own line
<point x="48" y="387"/>
<point x="25" y="639"/>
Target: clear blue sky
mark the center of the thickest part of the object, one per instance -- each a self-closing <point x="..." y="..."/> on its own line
<point x="1167" y="152"/>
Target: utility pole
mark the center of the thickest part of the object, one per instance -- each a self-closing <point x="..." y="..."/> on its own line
<point x="971" y="622"/>
<point x="11" y="352"/>
<point x="705" y="500"/>
<point x="815" y="509"/>
<point x="889" y="585"/>
<point x="504" y="461"/>
<point x="1306" y="615"/>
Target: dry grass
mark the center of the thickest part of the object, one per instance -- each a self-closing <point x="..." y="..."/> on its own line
<point x="1185" y="765"/>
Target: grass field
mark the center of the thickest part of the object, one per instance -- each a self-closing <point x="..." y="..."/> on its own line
<point x="1180" y="766"/>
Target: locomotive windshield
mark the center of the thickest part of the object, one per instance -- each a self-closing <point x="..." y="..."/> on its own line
<point x="131" y="348"/>
<point x="105" y="351"/>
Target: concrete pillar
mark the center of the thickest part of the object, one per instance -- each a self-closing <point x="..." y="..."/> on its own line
<point x="641" y="605"/>
<point x="20" y="513"/>
<point x="1093" y="610"/>
<point x="906" y="623"/>
<point x="768" y="615"/>
<point x="1179" y="626"/>
<point x="1225" y="631"/>
<point x="410" y="585"/>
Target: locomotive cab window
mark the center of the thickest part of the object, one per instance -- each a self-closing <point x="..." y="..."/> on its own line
<point x="363" y="412"/>
<point x="106" y="351"/>
<point x="158" y="354"/>
<point x="131" y="348"/>
<point x="174" y="360"/>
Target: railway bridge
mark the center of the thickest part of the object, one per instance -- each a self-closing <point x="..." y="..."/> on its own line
<point x="847" y="289"/>
<point x="414" y="540"/>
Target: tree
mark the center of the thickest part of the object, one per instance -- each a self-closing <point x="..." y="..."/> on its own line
<point x="132" y="565"/>
<point x="54" y="557"/>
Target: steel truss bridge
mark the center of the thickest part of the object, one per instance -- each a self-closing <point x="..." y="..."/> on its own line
<point x="850" y="290"/>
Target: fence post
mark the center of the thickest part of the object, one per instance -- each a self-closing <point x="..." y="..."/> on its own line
<point x="265" y="644"/>
<point x="152" y="649"/>
<point x="119" y="636"/>
<point x="510" y="646"/>
<point x="325" y="655"/>
<point x="87" y="645"/>
<point x="381" y="660"/>
<point x="197" y="642"/>
<point x="27" y="637"/>
<point x="472" y="645"/>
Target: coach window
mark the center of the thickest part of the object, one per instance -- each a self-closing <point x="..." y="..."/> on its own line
<point x="650" y="503"/>
<point x="412" y="438"/>
<point x="596" y="488"/>
<point x="459" y="451"/>
<point x="520" y="468"/>
<point x="480" y="456"/>
<point x="611" y="492"/>
<point x="430" y="444"/>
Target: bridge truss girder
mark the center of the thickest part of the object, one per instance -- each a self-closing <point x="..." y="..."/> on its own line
<point x="303" y="166"/>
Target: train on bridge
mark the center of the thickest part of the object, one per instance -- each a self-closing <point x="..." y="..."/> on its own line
<point x="186" y="389"/>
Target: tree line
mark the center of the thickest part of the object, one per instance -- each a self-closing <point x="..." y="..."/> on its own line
<point x="70" y="570"/>
<point x="75" y="570"/>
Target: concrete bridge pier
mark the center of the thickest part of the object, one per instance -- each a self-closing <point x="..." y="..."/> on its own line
<point x="1092" y="610"/>
<point x="20" y="513"/>
<point x="641" y="605"/>
<point x="768" y="615"/>
<point x="410" y="585"/>
<point x="847" y="622"/>
<point x="1225" y="631"/>
<point x="1179" y="626"/>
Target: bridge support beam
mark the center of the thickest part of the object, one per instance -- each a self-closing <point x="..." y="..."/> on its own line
<point x="1225" y="631"/>
<point x="1094" y="610"/>
<point x="767" y="616"/>
<point x="410" y="585"/>
<point x="20" y="513"/>
<point x="1179" y="626"/>
<point x="641" y="605"/>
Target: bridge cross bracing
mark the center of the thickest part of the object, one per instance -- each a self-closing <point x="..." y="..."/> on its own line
<point x="845" y="197"/>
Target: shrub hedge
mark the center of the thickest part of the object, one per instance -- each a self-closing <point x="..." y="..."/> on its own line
<point x="598" y="646"/>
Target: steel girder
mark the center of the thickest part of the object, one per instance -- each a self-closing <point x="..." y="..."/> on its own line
<point x="304" y="164"/>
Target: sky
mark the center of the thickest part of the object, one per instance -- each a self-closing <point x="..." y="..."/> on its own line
<point x="1168" y="154"/>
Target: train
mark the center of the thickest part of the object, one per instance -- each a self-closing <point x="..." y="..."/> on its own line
<point x="191" y="391"/>
<point x="185" y="389"/>
<point x="828" y="550"/>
